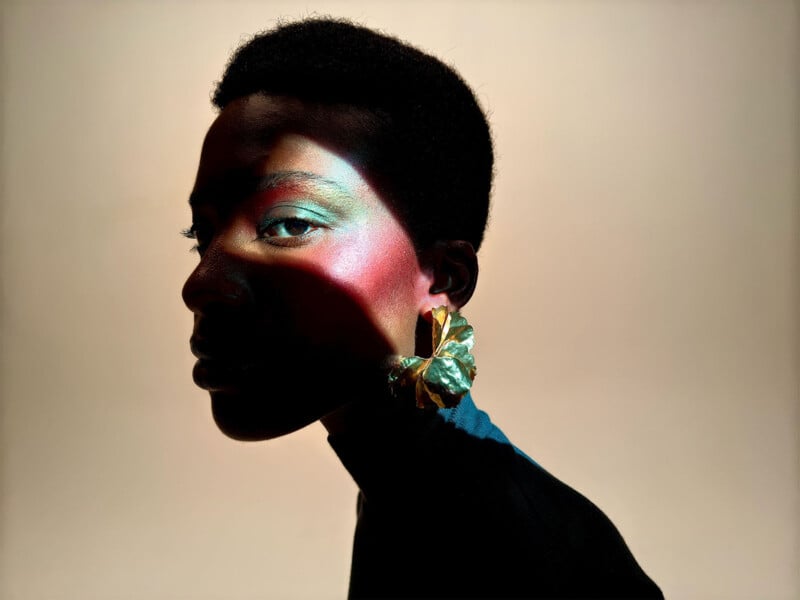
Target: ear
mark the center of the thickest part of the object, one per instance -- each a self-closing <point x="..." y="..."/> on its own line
<point x="453" y="265"/>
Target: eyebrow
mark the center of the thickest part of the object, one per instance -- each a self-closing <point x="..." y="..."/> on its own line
<point x="237" y="187"/>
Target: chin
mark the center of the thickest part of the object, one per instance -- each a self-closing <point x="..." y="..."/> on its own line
<point x="262" y="404"/>
<point x="248" y="418"/>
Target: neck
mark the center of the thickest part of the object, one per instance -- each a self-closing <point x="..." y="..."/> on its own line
<point x="355" y="415"/>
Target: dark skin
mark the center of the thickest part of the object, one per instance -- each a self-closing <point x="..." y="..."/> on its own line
<point x="307" y="281"/>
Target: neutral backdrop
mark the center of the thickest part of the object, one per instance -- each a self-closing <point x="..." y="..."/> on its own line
<point x="636" y="318"/>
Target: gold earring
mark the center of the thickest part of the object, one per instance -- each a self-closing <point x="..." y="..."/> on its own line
<point x="445" y="378"/>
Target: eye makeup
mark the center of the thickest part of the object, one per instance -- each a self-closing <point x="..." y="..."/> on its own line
<point x="330" y="196"/>
<point x="293" y="224"/>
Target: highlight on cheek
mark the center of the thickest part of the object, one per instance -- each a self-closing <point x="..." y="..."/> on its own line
<point x="375" y="254"/>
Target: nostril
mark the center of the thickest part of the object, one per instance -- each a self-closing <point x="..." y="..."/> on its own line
<point x="206" y="289"/>
<point x="207" y="300"/>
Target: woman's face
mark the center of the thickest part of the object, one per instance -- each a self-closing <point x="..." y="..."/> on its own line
<point x="306" y="282"/>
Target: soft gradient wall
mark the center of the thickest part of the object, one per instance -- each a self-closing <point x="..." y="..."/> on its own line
<point x="636" y="319"/>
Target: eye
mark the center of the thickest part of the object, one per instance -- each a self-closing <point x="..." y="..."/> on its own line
<point x="287" y="228"/>
<point x="290" y="230"/>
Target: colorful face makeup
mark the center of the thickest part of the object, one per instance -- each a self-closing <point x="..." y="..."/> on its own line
<point x="307" y="281"/>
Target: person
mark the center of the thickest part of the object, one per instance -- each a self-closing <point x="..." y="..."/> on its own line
<point x="340" y="201"/>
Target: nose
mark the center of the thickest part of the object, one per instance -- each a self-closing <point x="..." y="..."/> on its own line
<point x="219" y="281"/>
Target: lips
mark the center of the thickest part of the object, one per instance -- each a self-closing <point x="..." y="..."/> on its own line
<point x="220" y="376"/>
<point x="224" y="364"/>
<point x="282" y="358"/>
<point x="215" y="351"/>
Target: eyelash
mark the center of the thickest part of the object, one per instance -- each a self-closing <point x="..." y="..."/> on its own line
<point x="285" y="221"/>
<point x="191" y="232"/>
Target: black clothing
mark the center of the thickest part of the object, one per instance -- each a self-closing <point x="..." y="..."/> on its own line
<point x="448" y="508"/>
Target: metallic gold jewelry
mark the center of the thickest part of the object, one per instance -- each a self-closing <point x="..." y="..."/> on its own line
<point x="445" y="378"/>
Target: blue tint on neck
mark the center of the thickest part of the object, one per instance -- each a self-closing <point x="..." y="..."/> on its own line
<point x="469" y="418"/>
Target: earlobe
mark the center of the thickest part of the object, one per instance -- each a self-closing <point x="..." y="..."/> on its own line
<point x="453" y="265"/>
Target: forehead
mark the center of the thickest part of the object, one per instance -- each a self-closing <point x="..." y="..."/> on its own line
<point x="246" y="129"/>
<point x="241" y="135"/>
<point x="258" y="135"/>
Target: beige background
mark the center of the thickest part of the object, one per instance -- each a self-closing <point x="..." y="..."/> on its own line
<point x="636" y="320"/>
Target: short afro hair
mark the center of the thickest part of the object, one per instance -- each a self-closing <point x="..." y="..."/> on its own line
<point x="431" y="150"/>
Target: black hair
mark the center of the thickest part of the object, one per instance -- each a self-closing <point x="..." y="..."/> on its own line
<point x="430" y="144"/>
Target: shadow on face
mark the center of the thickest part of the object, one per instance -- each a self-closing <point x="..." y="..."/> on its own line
<point x="302" y="348"/>
<point x="307" y="280"/>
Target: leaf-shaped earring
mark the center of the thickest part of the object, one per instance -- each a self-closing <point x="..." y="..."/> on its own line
<point x="445" y="378"/>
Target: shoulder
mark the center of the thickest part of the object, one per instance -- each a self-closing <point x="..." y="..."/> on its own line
<point x="584" y="545"/>
<point x="535" y="522"/>
<point x="450" y="507"/>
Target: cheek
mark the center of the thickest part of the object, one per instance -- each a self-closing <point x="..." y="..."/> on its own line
<point x="381" y="268"/>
